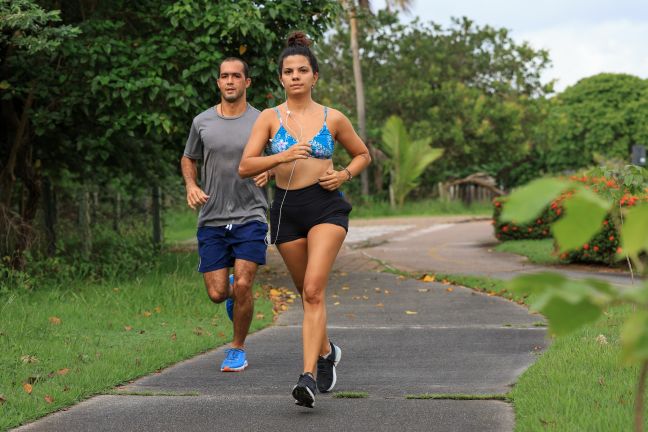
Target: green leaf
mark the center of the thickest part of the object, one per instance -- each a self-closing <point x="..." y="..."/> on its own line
<point x="634" y="233"/>
<point x="567" y="304"/>
<point x="634" y="338"/>
<point x="583" y="218"/>
<point x="527" y="202"/>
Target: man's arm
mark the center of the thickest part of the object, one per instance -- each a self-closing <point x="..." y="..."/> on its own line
<point x="195" y="196"/>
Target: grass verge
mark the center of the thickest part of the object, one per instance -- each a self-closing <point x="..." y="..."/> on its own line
<point x="429" y="207"/>
<point x="578" y="383"/>
<point x="61" y="345"/>
<point x="459" y="396"/>
<point x="537" y="251"/>
<point x="351" y="395"/>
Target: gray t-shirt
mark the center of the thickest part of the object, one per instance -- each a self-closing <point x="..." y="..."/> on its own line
<point x="219" y="142"/>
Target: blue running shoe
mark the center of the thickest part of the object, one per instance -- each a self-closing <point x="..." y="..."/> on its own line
<point x="229" y="303"/>
<point x="235" y="360"/>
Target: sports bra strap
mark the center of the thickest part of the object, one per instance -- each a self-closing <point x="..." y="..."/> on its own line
<point x="325" y="112"/>
<point x="279" y="115"/>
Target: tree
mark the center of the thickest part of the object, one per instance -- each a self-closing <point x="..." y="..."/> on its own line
<point x="472" y="89"/>
<point x="30" y="37"/>
<point x="604" y="114"/>
<point x="353" y="11"/>
<point x="408" y="159"/>
<point x="117" y="101"/>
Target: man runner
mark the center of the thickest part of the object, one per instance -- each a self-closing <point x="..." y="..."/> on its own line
<point x="232" y="220"/>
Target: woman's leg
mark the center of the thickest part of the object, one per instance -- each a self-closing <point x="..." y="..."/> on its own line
<point x="324" y="242"/>
<point x="295" y="256"/>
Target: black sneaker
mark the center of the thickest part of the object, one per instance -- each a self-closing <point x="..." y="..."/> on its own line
<point x="304" y="391"/>
<point x="326" y="376"/>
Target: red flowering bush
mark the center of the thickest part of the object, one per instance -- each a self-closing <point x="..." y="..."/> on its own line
<point x="625" y="189"/>
<point x="539" y="229"/>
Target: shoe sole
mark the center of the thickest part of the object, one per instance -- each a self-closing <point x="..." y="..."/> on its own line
<point x="238" y="369"/>
<point x="303" y="396"/>
<point x="338" y="356"/>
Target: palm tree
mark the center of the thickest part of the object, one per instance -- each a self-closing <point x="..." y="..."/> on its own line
<point x="352" y="7"/>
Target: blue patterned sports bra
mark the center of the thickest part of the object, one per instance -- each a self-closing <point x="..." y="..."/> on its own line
<point x="322" y="143"/>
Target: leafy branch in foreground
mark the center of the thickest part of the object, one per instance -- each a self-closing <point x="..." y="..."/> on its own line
<point x="570" y="304"/>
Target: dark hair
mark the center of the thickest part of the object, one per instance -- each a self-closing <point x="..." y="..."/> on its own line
<point x="298" y="44"/>
<point x="246" y="68"/>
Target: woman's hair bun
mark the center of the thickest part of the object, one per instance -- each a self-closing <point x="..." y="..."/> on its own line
<point x="298" y="38"/>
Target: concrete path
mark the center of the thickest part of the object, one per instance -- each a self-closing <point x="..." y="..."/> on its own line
<point x="454" y="245"/>
<point x="399" y="337"/>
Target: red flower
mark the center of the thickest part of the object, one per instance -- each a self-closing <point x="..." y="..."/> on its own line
<point x="612" y="238"/>
<point x="505" y="228"/>
<point x="619" y="250"/>
<point x="585" y="246"/>
<point x="596" y="248"/>
<point x="605" y="222"/>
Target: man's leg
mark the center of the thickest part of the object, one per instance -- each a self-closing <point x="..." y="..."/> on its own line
<point x="217" y="284"/>
<point x="244" y="273"/>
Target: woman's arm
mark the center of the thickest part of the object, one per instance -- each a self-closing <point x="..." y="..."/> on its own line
<point x="252" y="161"/>
<point x="347" y="136"/>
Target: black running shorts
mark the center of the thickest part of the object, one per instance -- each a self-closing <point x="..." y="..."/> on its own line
<point x="303" y="209"/>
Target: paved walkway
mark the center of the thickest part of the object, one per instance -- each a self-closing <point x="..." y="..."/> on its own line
<point x="399" y="337"/>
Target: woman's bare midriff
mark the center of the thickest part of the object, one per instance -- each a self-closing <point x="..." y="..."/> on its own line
<point x="307" y="172"/>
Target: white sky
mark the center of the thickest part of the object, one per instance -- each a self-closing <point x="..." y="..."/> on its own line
<point x="583" y="37"/>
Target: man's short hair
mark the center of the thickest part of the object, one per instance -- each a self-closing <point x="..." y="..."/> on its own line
<point x="246" y="68"/>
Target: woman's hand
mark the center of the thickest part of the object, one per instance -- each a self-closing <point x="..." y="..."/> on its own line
<point x="300" y="150"/>
<point x="332" y="179"/>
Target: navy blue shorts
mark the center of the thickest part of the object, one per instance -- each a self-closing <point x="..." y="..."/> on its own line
<point x="218" y="247"/>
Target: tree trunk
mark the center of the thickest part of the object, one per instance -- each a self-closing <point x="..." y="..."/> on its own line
<point x="359" y="88"/>
<point x="157" y="219"/>
<point x="84" y="223"/>
<point x="49" y="216"/>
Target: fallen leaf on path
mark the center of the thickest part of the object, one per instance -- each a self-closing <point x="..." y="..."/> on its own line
<point x="275" y="292"/>
<point x="28" y="388"/>
<point x="157" y="309"/>
<point x="63" y="371"/>
<point x="336" y="303"/>
<point x="377" y="290"/>
<point x="260" y="316"/>
<point x="491" y="293"/>
<point x="173" y="336"/>
<point x="387" y="292"/>
<point x="198" y="331"/>
<point x="49" y="399"/>
<point x="345" y="288"/>
<point x="343" y="273"/>
<point x="601" y="339"/>
<point x="409" y="312"/>
<point x="29" y="359"/>
<point x="355" y="298"/>
<point x="284" y="307"/>
<point x="428" y="278"/>
<point x="449" y="289"/>
<point x="335" y="296"/>
<point x="128" y="328"/>
<point x="445" y="282"/>
<point x="423" y="289"/>
<point x="365" y="297"/>
<point x="116" y="289"/>
<point x="350" y="316"/>
<point x="221" y="334"/>
<point x="147" y="314"/>
<point x="401" y="277"/>
<point x="380" y="305"/>
<point x="54" y="320"/>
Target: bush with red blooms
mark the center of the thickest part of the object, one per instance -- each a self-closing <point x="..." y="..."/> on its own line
<point x="539" y="229"/>
<point x="602" y="248"/>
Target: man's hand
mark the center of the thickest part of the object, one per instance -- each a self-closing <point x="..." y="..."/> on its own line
<point x="262" y="179"/>
<point x="332" y="179"/>
<point x="196" y="197"/>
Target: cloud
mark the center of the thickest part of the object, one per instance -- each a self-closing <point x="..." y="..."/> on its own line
<point x="579" y="50"/>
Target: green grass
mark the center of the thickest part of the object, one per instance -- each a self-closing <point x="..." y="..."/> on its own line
<point x="351" y="395"/>
<point x="578" y="383"/>
<point x="180" y="225"/>
<point x="108" y="333"/>
<point x="538" y="251"/>
<point x="459" y="396"/>
<point x="429" y="207"/>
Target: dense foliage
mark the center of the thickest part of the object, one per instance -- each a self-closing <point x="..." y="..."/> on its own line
<point x="99" y="96"/>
